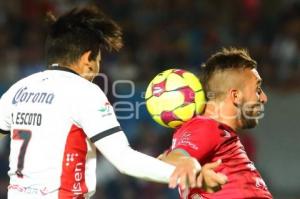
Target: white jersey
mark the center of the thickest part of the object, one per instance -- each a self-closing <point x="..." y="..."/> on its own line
<point x="53" y="118"/>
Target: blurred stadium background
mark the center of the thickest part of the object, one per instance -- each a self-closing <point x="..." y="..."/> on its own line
<point x="161" y="34"/>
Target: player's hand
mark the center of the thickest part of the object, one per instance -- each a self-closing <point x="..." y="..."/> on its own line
<point x="185" y="174"/>
<point x="209" y="180"/>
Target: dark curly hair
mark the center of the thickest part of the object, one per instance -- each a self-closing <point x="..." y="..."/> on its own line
<point x="78" y="31"/>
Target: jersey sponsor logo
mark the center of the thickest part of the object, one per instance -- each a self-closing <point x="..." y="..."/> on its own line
<point x="185" y="140"/>
<point x="105" y="109"/>
<point x="72" y="183"/>
<point x="78" y="173"/>
<point x="25" y="96"/>
<point x="29" y="190"/>
<point x="78" y="177"/>
<point x="70" y="158"/>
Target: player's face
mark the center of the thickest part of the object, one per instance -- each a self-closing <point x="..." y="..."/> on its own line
<point x="253" y="100"/>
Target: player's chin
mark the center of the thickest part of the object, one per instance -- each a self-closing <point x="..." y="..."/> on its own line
<point x="250" y="122"/>
<point x="251" y="118"/>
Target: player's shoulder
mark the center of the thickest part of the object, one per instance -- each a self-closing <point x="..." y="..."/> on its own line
<point x="85" y="91"/>
<point x="75" y="87"/>
<point x="75" y="83"/>
<point x="89" y="88"/>
<point x="202" y="122"/>
<point x="201" y="125"/>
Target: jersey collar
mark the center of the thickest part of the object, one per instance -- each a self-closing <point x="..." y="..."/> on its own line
<point x="62" y="68"/>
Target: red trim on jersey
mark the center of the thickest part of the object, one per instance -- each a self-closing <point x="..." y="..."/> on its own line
<point x="72" y="180"/>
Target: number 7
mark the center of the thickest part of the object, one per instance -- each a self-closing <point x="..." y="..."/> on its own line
<point x="24" y="135"/>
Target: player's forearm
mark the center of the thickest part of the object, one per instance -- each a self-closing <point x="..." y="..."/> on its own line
<point x="139" y="165"/>
<point x="128" y="161"/>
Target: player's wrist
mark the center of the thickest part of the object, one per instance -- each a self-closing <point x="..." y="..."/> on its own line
<point x="193" y="162"/>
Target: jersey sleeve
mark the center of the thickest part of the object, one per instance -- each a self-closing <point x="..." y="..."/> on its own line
<point x="5" y="114"/>
<point x="131" y="162"/>
<point x="199" y="139"/>
<point x="94" y="114"/>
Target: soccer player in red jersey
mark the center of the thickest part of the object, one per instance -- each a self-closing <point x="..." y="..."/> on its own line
<point x="235" y="101"/>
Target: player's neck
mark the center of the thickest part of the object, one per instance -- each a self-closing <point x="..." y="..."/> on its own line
<point x="81" y="70"/>
<point x="221" y="113"/>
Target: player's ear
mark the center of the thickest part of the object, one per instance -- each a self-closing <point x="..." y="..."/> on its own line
<point x="235" y="96"/>
<point x="84" y="59"/>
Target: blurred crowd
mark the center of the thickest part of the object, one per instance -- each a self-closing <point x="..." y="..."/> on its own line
<point x="158" y="34"/>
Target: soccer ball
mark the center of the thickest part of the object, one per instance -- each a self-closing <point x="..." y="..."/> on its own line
<point x="174" y="96"/>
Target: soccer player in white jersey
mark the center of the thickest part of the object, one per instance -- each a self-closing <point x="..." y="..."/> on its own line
<point x="58" y="118"/>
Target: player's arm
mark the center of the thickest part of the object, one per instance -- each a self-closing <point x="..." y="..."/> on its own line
<point x="116" y="149"/>
<point x="99" y="122"/>
<point x="4" y="117"/>
<point x="187" y="162"/>
<point x="208" y="179"/>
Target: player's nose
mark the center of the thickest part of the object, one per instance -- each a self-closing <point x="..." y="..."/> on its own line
<point x="263" y="97"/>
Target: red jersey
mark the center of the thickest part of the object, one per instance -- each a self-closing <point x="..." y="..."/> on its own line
<point x="208" y="140"/>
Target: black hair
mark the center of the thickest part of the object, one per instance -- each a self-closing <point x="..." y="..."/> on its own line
<point x="78" y="31"/>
